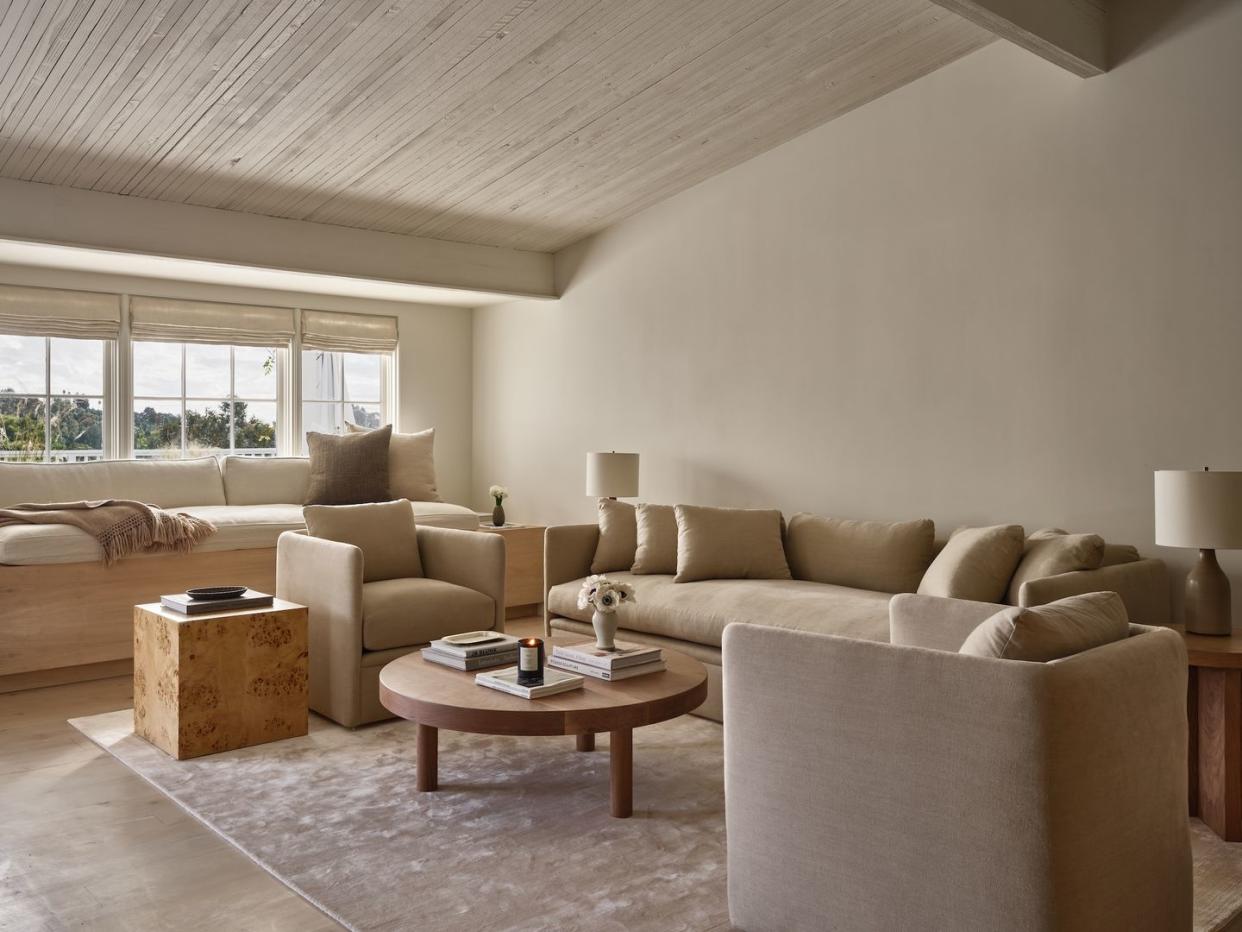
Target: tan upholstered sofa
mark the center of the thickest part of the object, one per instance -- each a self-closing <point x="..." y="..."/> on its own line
<point x="934" y="790"/>
<point x="64" y="611"/>
<point x="692" y="616"/>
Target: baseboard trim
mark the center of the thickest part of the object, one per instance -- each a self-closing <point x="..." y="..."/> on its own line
<point x="38" y="679"/>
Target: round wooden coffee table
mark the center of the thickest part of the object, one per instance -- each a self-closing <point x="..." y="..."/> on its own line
<point x="435" y="697"/>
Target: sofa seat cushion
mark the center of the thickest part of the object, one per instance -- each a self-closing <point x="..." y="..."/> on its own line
<point x="402" y="612"/>
<point x="698" y="611"/>
<point x="238" y="527"/>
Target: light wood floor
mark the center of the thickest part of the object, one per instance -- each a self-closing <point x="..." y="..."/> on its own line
<point x="87" y="844"/>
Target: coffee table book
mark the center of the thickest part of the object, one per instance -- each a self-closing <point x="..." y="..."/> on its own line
<point x="480" y="662"/>
<point x="622" y="673"/>
<point x="476" y="644"/>
<point x="554" y="681"/>
<point x="183" y="603"/>
<point x="625" y="655"/>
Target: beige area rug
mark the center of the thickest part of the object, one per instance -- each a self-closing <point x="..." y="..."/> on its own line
<point x="518" y="837"/>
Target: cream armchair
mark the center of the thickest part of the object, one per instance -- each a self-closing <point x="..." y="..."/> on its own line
<point x="875" y="786"/>
<point x="356" y="627"/>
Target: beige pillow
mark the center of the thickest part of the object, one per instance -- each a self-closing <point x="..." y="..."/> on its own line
<point x="656" y="545"/>
<point x="975" y="564"/>
<point x="860" y="554"/>
<point x="1119" y="553"/>
<point x="385" y="534"/>
<point x="1051" y="552"/>
<point x="349" y="469"/>
<point x="729" y="543"/>
<point x="618" y="537"/>
<point x="411" y="464"/>
<point x="1048" y="632"/>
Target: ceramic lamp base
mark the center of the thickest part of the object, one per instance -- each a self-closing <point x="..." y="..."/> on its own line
<point x="1209" y="608"/>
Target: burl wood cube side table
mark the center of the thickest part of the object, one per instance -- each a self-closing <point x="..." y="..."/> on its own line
<point x="216" y="682"/>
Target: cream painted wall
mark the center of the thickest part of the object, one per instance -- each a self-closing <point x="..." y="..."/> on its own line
<point x="1001" y="293"/>
<point x="433" y="359"/>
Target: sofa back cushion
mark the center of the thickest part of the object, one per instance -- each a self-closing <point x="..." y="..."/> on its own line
<point x="976" y="564"/>
<point x="860" y="554"/>
<point x="350" y="469"/>
<point x="729" y="543"/>
<point x="655" y="552"/>
<point x="1049" y="632"/>
<point x="1051" y="552"/>
<point x="265" y="480"/>
<point x="166" y="483"/>
<point x="618" y="537"/>
<point x="384" y="532"/>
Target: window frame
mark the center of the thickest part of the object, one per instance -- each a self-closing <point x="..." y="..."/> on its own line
<point x="106" y="395"/>
<point x="385" y="401"/>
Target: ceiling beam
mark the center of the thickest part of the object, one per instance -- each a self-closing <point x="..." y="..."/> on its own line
<point x="1069" y="33"/>
<point x="43" y="213"/>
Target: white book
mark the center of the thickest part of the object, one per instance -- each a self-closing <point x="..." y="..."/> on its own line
<point x="469" y="663"/>
<point x="476" y="643"/>
<point x="554" y="681"/>
<point x="624" y="673"/>
<point x="625" y="655"/>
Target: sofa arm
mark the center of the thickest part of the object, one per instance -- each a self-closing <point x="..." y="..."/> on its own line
<point x="935" y="623"/>
<point x="1143" y="585"/>
<point x="468" y="559"/>
<point x="568" y="550"/>
<point x="326" y="577"/>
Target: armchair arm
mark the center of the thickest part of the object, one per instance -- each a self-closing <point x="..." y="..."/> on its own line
<point x="326" y="577"/>
<point x="1143" y="585"/>
<point x="936" y="623"/>
<point x="568" y="550"/>
<point x="468" y="559"/>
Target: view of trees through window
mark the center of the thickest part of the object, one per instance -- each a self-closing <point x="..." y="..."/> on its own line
<point x="51" y="399"/>
<point x="193" y="399"/>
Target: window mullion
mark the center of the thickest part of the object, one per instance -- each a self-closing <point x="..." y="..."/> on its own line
<point x="184" y="406"/>
<point x="47" y="399"/>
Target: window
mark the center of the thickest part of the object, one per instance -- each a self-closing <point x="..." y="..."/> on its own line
<point x="52" y="392"/>
<point x="340" y="388"/>
<point x="195" y="399"/>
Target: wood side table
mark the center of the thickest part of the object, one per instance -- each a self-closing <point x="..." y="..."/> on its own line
<point x="1214" y="710"/>
<point x="523" y="567"/>
<point x="219" y="681"/>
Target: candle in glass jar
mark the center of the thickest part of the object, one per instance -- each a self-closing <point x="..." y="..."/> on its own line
<point x="530" y="662"/>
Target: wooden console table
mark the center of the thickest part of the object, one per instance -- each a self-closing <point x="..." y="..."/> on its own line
<point x="1214" y="710"/>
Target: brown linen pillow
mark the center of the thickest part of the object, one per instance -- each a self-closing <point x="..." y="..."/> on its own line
<point x="411" y="464"/>
<point x="1051" y="552"/>
<point x="349" y="469"/>
<point x="656" y="545"/>
<point x="729" y="543"/>
<point x="384" y="532"/>
<point x="1049" y="632"/>
<point x="976" y="564"/>
<point x="860" y="554"/>
<point x="618" y="537"/>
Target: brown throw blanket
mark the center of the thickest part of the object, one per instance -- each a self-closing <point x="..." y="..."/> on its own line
<point x="121" y="527"/>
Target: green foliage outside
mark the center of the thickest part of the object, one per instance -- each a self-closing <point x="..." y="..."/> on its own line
<point x="204" y="430"/>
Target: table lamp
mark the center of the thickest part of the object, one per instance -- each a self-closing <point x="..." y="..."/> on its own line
<point x="1202" y="508"/>
<point x="612" y="475"/>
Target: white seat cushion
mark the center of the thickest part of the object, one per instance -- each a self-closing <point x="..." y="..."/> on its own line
<point x="238" y="527"/>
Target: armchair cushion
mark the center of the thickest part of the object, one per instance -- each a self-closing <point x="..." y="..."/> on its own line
<point x="385" y="534"/>
<point x="404" y="612"/>
<point x="1052" y="631"/>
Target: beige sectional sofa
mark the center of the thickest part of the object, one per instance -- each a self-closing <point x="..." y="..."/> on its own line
<point x="691" y="616"/>
<point x="67" y="616"/>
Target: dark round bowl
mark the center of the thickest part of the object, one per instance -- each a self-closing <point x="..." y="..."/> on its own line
<point x="211" y="593"/>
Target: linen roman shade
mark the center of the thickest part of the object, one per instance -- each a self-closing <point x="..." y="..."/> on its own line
<point x="348" y="333"/>
<point x="51" y="312"/>
<point x="175" y="321"/>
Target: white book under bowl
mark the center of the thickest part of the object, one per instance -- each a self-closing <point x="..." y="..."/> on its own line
<point x="470" y="663"/>
<point x="554" y="681"/>
<point x="476" y="643"/>
<point x="625" y="654"/>
<point x="624" y="673"/>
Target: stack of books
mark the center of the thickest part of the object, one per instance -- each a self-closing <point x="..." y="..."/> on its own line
<point x="474" y="650"/>
<point x="187" y="604"/>
<point x="626" y="661"/>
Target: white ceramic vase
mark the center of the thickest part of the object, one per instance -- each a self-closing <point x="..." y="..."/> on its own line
<point x="605" y="625"/>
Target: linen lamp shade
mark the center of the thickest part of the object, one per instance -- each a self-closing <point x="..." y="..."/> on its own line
<point x="1202" y="509"/>
<point x="612" y="475"/>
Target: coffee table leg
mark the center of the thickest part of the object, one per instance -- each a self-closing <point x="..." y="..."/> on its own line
<point x="621" y="769"/>
<point x="425" y="765"/>
<point x="586" y="742"/>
